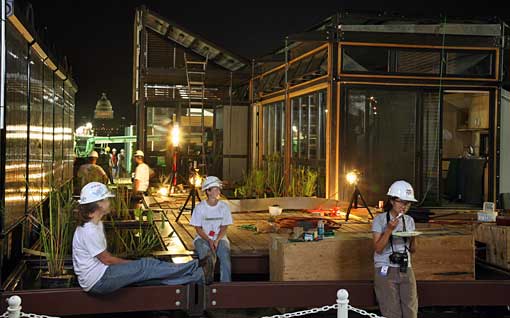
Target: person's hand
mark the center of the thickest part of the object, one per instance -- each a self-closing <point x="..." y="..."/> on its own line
<point x="392" y="224"/>
<point x="212" y="245"/>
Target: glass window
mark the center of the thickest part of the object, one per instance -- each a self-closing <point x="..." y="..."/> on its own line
<point x="57" y="130"/>
<point x="308" y="135"/>
<point x="48" y="128"/>
<point x="16" y="125"/>
<point x="158" y="121"/>
<point x="274" y="128"/>
<point x="295" y="127"/>
<point x="475" y="64"/>
<point x="36" y="170"/>
<point x="323" y="112"/>
<point x="381" y="138"/>
<point x="418" y="62"/>
<point x="365" y="59"/>
<point x="304" y="127"/>
<point x="430" y="148"/>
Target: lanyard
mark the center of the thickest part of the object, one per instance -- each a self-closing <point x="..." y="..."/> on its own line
<point x="391" y="236"/>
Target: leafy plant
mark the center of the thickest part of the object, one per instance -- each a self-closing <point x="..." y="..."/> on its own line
<point x="303" y="182"/>
<point x="274" y="175"/>
<point x="120" y="204"/>
<point x="137" y="242"/>
<point x="56" y="228"/>
<point x="254" y="185"/>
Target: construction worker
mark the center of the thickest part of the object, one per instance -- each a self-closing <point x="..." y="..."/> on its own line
<point x="394" y="282"/>
<point x="90" y="171"/>
<point x="141" y="179"/>
<point x="211" y="219"/>
<point x="99" y="272"/>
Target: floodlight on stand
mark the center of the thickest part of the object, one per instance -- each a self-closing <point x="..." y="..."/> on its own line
<point x="195" y="182"/>
<point x="175" y="135"/>
<point x="163" y="191"/>
<point x="352" y="178"/>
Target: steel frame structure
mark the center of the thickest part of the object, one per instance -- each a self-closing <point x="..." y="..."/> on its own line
<point x="238" y="295"/>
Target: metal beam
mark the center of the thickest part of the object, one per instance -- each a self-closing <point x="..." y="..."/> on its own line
<point x="361" y="293"/>
<point x="448" y="29"/>
<point x="74" y="301"/>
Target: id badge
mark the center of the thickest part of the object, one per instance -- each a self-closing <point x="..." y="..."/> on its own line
<point x="384" y="271"/>
<point x="211" y="233"/>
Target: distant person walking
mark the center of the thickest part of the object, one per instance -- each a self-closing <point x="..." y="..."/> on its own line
<point x="113" y="163"/>
<point x="121" y="163"/>
<point x="91" y="172"/>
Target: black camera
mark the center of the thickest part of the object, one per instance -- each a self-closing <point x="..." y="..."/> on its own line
<point x="401" y="259"/>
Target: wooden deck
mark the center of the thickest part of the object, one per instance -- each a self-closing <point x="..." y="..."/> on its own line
<point x="246" y="242"/>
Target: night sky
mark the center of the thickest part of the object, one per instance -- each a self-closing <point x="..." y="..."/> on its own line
<point x="97" y="36"/>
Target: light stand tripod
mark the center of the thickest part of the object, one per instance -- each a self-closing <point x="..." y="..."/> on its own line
<point x="354" y="200"/>
<point x="193" y="193"/>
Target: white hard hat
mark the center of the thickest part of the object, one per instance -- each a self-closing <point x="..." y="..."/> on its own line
<point x="93" y="154"/>
<point x="403" y="190"/>
<point x="114" y="150"/>
<point x="210" y="182"/>
<point x="139" y="153"/>
<point x="93" y="192"/>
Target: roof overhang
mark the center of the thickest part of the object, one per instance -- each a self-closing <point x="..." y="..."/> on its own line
<point x="192" y="41"/>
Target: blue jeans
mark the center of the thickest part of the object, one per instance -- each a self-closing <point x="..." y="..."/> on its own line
<point x="148" y="271"/>
<point x="222" y="253"/>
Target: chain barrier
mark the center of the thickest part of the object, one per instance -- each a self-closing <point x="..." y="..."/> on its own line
<point x="323" y="309"/>
<point x="363" y="312"/>
<point x="25" y="315"/>
<point x="304" y="312"/>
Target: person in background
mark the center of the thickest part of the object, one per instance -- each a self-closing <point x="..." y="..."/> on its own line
<point x="113" y="163"/>
<point x="104" y="162"/>
<point x="99" y="272"/>
<point x="141" y="178"/>
<point x="394" y="281"/>
<point x="211" y="219"/>
<point x="91" y="172"/>
<point x="121" y="163"/>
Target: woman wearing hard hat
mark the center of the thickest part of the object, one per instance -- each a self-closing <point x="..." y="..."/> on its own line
<point x="99" y="272"/>
<point x="211" y="219"/>
<point x="394" y="281"/>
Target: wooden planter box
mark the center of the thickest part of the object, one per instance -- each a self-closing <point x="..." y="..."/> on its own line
<point x="349" y="256"/>
<point x="497" y="240"/>
<point x="289" y="203"/>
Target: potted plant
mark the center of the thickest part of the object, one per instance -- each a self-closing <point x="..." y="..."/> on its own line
<point x="56" y="229"/>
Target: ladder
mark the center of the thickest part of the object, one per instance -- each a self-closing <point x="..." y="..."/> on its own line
<point x="195" y="75"/>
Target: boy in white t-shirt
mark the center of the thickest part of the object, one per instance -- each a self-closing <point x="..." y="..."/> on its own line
<point x="99" y="272"/>
<point x="211" y="219"/>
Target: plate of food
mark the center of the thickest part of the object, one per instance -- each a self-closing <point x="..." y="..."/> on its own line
<point x="407" y="233"/>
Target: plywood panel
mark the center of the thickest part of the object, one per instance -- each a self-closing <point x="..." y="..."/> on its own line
<point x="441" y="255"/>
<point x="497" y="239"/>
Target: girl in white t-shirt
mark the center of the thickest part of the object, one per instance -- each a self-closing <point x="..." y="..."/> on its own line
<point x="100" y="272"/>
<point x="211" y="219"/>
